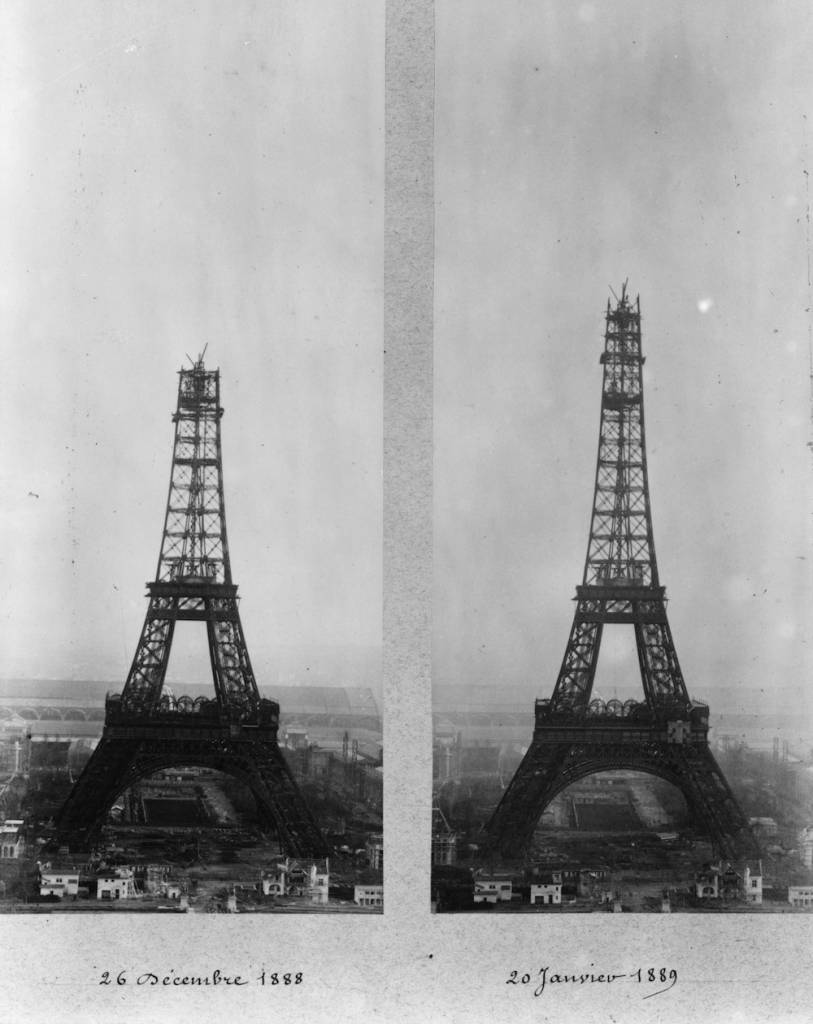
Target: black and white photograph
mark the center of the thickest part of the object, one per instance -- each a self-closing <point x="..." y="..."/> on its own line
<point x="622" y="367"/>
<point x="425" y="375"/>
<point x="191" y="279"/>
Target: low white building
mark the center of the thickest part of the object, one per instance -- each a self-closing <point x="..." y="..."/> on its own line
<point x="492" y="890"/>
<point x="546" y="892"/>
<point x="800" y="895"/>
<point x="369" y="895"/>
<point x="117" y="884"/>
<point x="752" y="884"/>
<point x="59" y="881"/>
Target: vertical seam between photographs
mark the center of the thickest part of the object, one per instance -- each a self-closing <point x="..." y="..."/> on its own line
<point x="407" y="424"/>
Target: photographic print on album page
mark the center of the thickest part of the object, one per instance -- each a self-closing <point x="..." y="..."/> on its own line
<point x="191" y="272"/>
<point x="622" y="228"/>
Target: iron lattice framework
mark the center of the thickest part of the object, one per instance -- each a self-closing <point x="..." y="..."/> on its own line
<point x="666" y="734"/>
<point x="234" y="732"/>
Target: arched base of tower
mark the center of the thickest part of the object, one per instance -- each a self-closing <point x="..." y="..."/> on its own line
<point x="250" y="754"/>
<point x="559" y="756"/>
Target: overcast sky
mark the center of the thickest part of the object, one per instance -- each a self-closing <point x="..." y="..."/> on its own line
<point x="177" y="175"/>
<point x="578" y="145"/>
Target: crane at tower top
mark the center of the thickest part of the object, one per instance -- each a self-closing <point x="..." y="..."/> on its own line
<point x="198" y="363"/>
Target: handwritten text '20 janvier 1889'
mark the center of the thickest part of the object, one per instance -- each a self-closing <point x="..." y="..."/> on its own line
<point x="660" y="978"/>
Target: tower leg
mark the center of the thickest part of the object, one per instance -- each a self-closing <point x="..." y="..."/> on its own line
<point x="707" y="791"/>
<point x="279" y="801"/>
<point x="96" y="790"/>
<point x="530" y="791"/>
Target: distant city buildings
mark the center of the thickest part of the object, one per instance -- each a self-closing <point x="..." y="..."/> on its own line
<point x="286" y="879"/>
<point x="546" y="887"/>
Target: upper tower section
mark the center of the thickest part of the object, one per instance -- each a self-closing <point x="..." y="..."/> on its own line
<point x="621" y="552"/>
<point x="194" y="548"/>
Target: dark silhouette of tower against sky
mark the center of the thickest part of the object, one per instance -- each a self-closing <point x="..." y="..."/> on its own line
<point x="666" y="733"/>
<point x="235" y="731"/>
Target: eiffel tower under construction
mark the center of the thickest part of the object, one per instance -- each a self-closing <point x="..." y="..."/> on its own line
<point x="666" y="733"/>
<point x="235" y="732"/>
